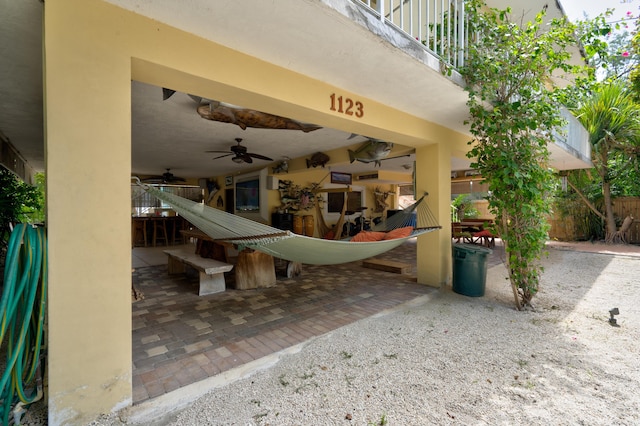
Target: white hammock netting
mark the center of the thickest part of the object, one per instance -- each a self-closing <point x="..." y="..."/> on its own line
<point x="226" y="227"/>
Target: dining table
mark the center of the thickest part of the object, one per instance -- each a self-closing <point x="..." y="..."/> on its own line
<point x="253" y="269"/>
<point x="479" y="231"/>
<point x="475" y="225"/>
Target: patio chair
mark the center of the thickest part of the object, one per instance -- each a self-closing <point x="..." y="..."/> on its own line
<point x="458" y="234"/>
<point x="485" y="238"/>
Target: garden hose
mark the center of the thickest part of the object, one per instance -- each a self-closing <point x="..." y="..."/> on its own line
<point x="22" y="315"/>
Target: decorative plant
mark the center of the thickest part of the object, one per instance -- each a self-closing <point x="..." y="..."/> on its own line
<point x="612" y="118"/>
<point x="514" y="111"/>
<point x="19" y="202"/>
<point x="295" y="197"/>
<point x="463" y="208"/>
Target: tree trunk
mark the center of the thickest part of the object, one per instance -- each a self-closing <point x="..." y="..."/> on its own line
<point x="620" y="236"/>
<point x="610" y="220"/>
<point x="586" y="200"/>
<point x="502" y="228"/>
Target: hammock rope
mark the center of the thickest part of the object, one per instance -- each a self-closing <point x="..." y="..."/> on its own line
<point x="246" y="233"/>
<point x="406" y="217"/>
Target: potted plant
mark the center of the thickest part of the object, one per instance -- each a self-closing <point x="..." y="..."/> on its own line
<point x="462" y="207"/>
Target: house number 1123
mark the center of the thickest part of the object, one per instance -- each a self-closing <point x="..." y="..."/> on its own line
<point x="346" y="106"/>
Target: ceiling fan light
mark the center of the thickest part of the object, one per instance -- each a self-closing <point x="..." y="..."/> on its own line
<point x="237" y="160"/>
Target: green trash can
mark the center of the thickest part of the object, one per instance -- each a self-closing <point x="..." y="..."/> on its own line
<point x="470" y="269"/>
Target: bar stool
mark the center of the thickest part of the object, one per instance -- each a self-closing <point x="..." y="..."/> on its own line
<point x="176" y="227"/>
<point x="139" y="227"/>
<point x="183" y="225"/>
<point x="160" y="230"/>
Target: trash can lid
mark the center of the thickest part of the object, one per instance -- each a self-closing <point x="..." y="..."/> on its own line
<point x="472" y="248"/>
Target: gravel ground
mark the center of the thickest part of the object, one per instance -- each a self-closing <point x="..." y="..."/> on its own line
<point x="448" y="359"/>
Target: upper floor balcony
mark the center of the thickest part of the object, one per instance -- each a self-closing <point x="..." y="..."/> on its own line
<point x="440" y="28"/>
<point x="438" y="25"/>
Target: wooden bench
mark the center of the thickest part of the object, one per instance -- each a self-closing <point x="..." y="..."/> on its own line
<point x="211" y="271"/>
<point x="387" y="265"/>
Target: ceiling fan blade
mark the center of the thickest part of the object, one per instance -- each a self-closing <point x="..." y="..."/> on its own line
<point x="153" y="179"/>
<point x="260" y="157"/>
<point x="246" y="158"/>
<point x="226" y="155"/>
<point x="221" y="152"/>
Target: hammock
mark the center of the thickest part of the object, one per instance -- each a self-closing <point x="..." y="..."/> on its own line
<point x="246" y="233"/>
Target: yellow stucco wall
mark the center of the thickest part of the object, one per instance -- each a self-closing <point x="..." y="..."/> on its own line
<point x="434" y="248"/>
<point x="92" y="52"/>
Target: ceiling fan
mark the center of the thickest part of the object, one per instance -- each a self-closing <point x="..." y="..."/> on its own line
<point x="240" y="154"/>
<point x="166" y="177"/>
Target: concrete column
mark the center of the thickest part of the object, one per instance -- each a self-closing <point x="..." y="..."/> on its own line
<point x="433" y="175"/>
<point x="88" y="164"/>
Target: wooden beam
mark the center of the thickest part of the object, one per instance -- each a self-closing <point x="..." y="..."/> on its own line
<point x="333" y="190"/>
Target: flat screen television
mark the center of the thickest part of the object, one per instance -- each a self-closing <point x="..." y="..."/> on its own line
<point x="251" y="195"/>
<point x="248" y="196"/>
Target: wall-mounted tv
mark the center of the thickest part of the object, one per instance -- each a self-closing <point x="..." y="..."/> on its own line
<point x="248" y="196"/>
<point x="251" y="195"/>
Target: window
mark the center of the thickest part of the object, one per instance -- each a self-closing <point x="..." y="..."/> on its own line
<point x="145" y="204"/>
<point x="335" y="201"/>
<point x="332" y="206"/>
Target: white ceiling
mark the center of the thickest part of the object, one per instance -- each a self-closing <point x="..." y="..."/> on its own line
<point x="180" y="143"/>
<point x="21" y="78"/>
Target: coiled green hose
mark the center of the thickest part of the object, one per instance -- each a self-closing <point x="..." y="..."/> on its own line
<point x="22" y="315"/>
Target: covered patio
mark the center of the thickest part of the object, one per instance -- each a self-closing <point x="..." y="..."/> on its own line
<point x="180" y="338"/>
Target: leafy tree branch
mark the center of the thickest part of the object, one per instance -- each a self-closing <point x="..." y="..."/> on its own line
<point x="514" y="111"/>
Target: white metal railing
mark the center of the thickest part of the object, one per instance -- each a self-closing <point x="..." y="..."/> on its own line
<point x="574" y="135"/>
<point x="441" y="27"/>
<point x="438" y="25"/>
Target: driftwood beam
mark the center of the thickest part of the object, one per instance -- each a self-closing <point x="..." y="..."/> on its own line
<point x="332" y="190"/>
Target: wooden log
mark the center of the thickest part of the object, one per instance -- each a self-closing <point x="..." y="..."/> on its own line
<point x="294" y="269"/>
<point x="254" y="269"/>
<point x="387" y="266"/>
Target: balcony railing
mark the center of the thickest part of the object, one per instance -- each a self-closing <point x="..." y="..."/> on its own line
<point x="441" y="28"/>
<point x="438" y="25"/>
<point x="574" y="138"/>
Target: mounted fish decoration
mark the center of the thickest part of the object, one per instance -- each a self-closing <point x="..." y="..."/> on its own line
<point x="242" y="117"/>
<point x="167" y="93"/>
<point x="283" y="166"/>
<point x="318" y="159"/>
<point x="372" y="151"/>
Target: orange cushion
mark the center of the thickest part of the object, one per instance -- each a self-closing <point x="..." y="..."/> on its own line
<point x="367" y="236"/>
<point x="329" y="235"/>
<point x="483" y="233"/>
<point x="398" y="233"/>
